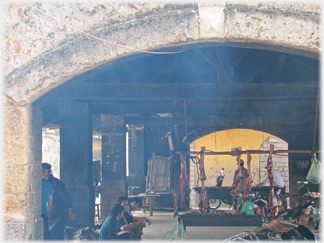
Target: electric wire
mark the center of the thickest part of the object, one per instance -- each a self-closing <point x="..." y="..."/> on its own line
<point x="92" y="36"/>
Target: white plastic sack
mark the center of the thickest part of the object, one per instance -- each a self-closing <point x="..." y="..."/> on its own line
<point x="315" y="174"/>
<point x="177" y="232"/>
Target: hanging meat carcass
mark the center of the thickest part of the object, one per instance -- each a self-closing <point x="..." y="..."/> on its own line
<point x="272" y="195"/>
<point x="248" y="180"/>
<point x="203" y="202"/>
<point x="236" y="180"/>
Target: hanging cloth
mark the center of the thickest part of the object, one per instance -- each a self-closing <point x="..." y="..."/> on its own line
<point x="175" y="172"/>
<point x="184" y="178"/>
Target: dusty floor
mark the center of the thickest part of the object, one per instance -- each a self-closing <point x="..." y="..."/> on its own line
<point x="164" y="221"/>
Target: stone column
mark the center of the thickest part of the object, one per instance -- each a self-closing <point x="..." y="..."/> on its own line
<point x="113" y="184"/>
<point x="22" y="178"/>
<point x="136" y="176"/>
<point x="76" y="160"/>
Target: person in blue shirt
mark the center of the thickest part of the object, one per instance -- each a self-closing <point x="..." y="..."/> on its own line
<point x="109" y="228"/>
<point x="47" y="198"/>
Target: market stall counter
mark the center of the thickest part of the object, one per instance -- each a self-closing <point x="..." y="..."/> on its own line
<point x="207" y="219"/>
<point x="222" y="194"/>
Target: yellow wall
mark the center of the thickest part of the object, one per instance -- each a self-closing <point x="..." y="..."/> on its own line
<point x="224" y="141"/>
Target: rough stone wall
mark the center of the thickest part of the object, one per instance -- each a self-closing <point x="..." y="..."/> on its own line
<point x="41" y="53"/>
<point x="68" y="52"/>
<point x="290" y="23"/>
<point x="113" y="184"/>
<point x="22" y="173"/>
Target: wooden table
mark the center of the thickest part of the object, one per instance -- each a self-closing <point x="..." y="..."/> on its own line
<point x="149" y="197"/>
<point x="305" y="199"/>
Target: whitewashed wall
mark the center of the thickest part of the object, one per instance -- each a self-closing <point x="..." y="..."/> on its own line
<point x="51" y="149"/>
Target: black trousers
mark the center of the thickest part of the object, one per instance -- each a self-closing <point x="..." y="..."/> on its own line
<point x="56" y="230"/>
<point x="280" y="190"/>
<point x="46" y="230"/>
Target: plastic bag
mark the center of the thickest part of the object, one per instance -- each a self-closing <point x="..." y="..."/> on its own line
<point x="303" y="190"/>
<point x="177" y="232"/>
<point x="313" y="221"/>
<point x="314" y="174"/>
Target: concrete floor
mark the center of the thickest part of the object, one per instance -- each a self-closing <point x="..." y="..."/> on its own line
<point x="164" y="221"/>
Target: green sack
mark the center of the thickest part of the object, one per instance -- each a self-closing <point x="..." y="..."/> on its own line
<point x="247" y="208"/>
<point x="177" y="232"/>
<point x="314" y="174"/>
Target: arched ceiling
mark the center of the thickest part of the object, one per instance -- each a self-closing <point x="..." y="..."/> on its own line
<point x="206" y="87"/>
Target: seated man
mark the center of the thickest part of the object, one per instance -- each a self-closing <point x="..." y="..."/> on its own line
<point x="128" y="229"/>
<point x="109" y="228"/>
<point x="135" y="204"/>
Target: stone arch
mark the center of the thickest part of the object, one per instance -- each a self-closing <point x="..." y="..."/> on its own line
<point x="42" y="55"/>
<point x="203" y="131"/>
<point x="155" y="26"/>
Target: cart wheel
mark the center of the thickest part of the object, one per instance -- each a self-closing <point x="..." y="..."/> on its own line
<point x="214" y="203"/>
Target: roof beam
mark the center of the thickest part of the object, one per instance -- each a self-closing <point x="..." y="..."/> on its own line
<point x="206" y="91"/>
<point x="228" y="122"/>
<point x="201" y="107"/>
<point x="258" y="69"/>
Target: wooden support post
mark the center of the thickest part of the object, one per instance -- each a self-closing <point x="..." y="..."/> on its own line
<point x="151" y="205"/>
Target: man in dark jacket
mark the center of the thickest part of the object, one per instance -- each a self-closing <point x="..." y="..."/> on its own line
<point x="128" y="226"/>
<point x="47" y="196"/>
<point x="60" y="211"/>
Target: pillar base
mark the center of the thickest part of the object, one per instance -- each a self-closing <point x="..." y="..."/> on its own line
<point x="110" y="191"/>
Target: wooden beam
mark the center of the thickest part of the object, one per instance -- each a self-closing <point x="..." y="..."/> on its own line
<point x="239" y="56"/>
<point x="258" y="69"/>
<point x="229" y="122"/>
<point x="226" y="68"/>
<point x="256" y="152"/>
<point x="281" y="61"/>
<point x="203" y="91"/>
<point x="276" y="108"/>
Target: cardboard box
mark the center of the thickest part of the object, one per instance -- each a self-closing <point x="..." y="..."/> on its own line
<point x="305" y="221"/>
